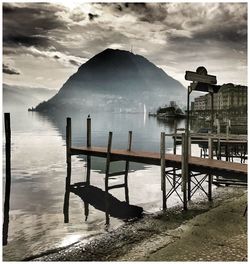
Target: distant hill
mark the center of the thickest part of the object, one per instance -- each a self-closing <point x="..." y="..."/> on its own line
<point x="116" y="80"/>
<point x="24" y="97"/>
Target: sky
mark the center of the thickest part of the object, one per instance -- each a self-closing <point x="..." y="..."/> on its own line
<point x="45" y="43"/>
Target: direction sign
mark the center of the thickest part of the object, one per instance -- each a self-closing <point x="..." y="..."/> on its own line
<point x="194" y="76"/>
<point x="204" y="87"/>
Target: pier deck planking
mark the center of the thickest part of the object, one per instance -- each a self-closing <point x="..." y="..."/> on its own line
<point x="206" y="166"/>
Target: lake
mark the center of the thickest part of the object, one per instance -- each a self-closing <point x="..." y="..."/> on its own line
<point x="39" y="171"/>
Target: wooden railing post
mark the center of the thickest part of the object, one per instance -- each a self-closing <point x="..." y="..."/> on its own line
<point x="68" y="177"/>
<point x="88" y="145"/>
<point x="184" y="169"/>
<point x="8" y="177"/>
<point x="210" y="177"/>
<point x="163" y="170"/>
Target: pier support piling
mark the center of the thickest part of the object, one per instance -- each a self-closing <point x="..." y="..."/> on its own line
<point x="184" y="169"/>
<point x="8" y="177"/>
<point x="68" y="177"/>
<point x="163" y="171"/>
<point x="88" y="145"/>
<point x="210" y="177"/>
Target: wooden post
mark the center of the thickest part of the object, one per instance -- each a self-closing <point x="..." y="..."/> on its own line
<point x="127" y="167"/>
<point x="175" y="135"/>
<point x="184" y="170"/>
<point x="212" y="110"/>
<point x="106" y="177"/>
<point x="88" y="145"/>
<point x="210" y="176"/>
<point x="163" y="171"/>
<point x="186" y="153"/>
<point x="218" y="141"/>
<point x="188" y="176"/>
<point x="8" y="177"/>
<point x="68" y="177"/>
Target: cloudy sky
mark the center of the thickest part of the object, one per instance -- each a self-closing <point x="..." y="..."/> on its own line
<point x="44" y="43"/>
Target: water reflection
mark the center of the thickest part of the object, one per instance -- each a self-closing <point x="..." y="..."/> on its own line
<point x="146" y="132"/>
<point x="39" y="169"/>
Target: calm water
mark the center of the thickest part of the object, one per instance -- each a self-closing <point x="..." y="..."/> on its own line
<point x="39" y="171"/>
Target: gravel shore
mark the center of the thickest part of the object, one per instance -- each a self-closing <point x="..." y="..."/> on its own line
<point x="208" y="231"/>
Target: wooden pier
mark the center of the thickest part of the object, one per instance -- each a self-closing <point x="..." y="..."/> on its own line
<point x="182" y="171"/>
<point x="217" y="167"/>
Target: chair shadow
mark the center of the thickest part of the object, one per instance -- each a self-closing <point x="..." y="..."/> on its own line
<point x="96" y="197"/>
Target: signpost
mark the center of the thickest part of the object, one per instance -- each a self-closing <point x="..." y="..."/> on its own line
<point x="193" y="76"/>
<point x="201" y="81"/>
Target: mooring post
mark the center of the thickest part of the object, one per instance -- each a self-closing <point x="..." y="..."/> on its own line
<point x="68" y="177"/>
<point x="210" y="176"/>
<point x="8" y="177"/>
<point x="163" y="170"/>
<point x="184" y="169"/>
<point x="127" y="167"/>
<point x="88" y="145"/>
<point x="107" y="176"/>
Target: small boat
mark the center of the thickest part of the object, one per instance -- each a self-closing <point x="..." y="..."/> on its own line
<point x="171" y="111"/>
<point x="31" y="109"/>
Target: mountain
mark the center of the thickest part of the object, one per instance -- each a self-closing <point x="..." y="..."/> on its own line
<point x="116" y="80"/>
<point x="23" y="97"/>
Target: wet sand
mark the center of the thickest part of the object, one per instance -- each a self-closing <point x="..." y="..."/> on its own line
<point x="208" y="231"/>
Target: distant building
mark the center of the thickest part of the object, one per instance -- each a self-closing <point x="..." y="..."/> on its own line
<point x="200" y="103"/>
<point x="229" y="97"/>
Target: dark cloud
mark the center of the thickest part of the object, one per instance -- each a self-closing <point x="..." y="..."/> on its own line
<point x="75" y="63"/>
<point x="149" y="12"/>
<point x="30" y="25"/>
<point x="92" y="16"/>
<point x="175" y="33"/>
<point x="8" y="70"/>
<point x="119" y="7"/>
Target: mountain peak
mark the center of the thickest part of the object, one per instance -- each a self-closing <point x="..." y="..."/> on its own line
<point x="115" y="79"/>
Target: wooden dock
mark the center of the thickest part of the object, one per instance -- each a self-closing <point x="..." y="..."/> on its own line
<point x="217" y="167"/>
<point x="179" y="171"/>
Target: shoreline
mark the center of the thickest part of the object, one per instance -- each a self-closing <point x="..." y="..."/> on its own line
<point x="157" y="236"/>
